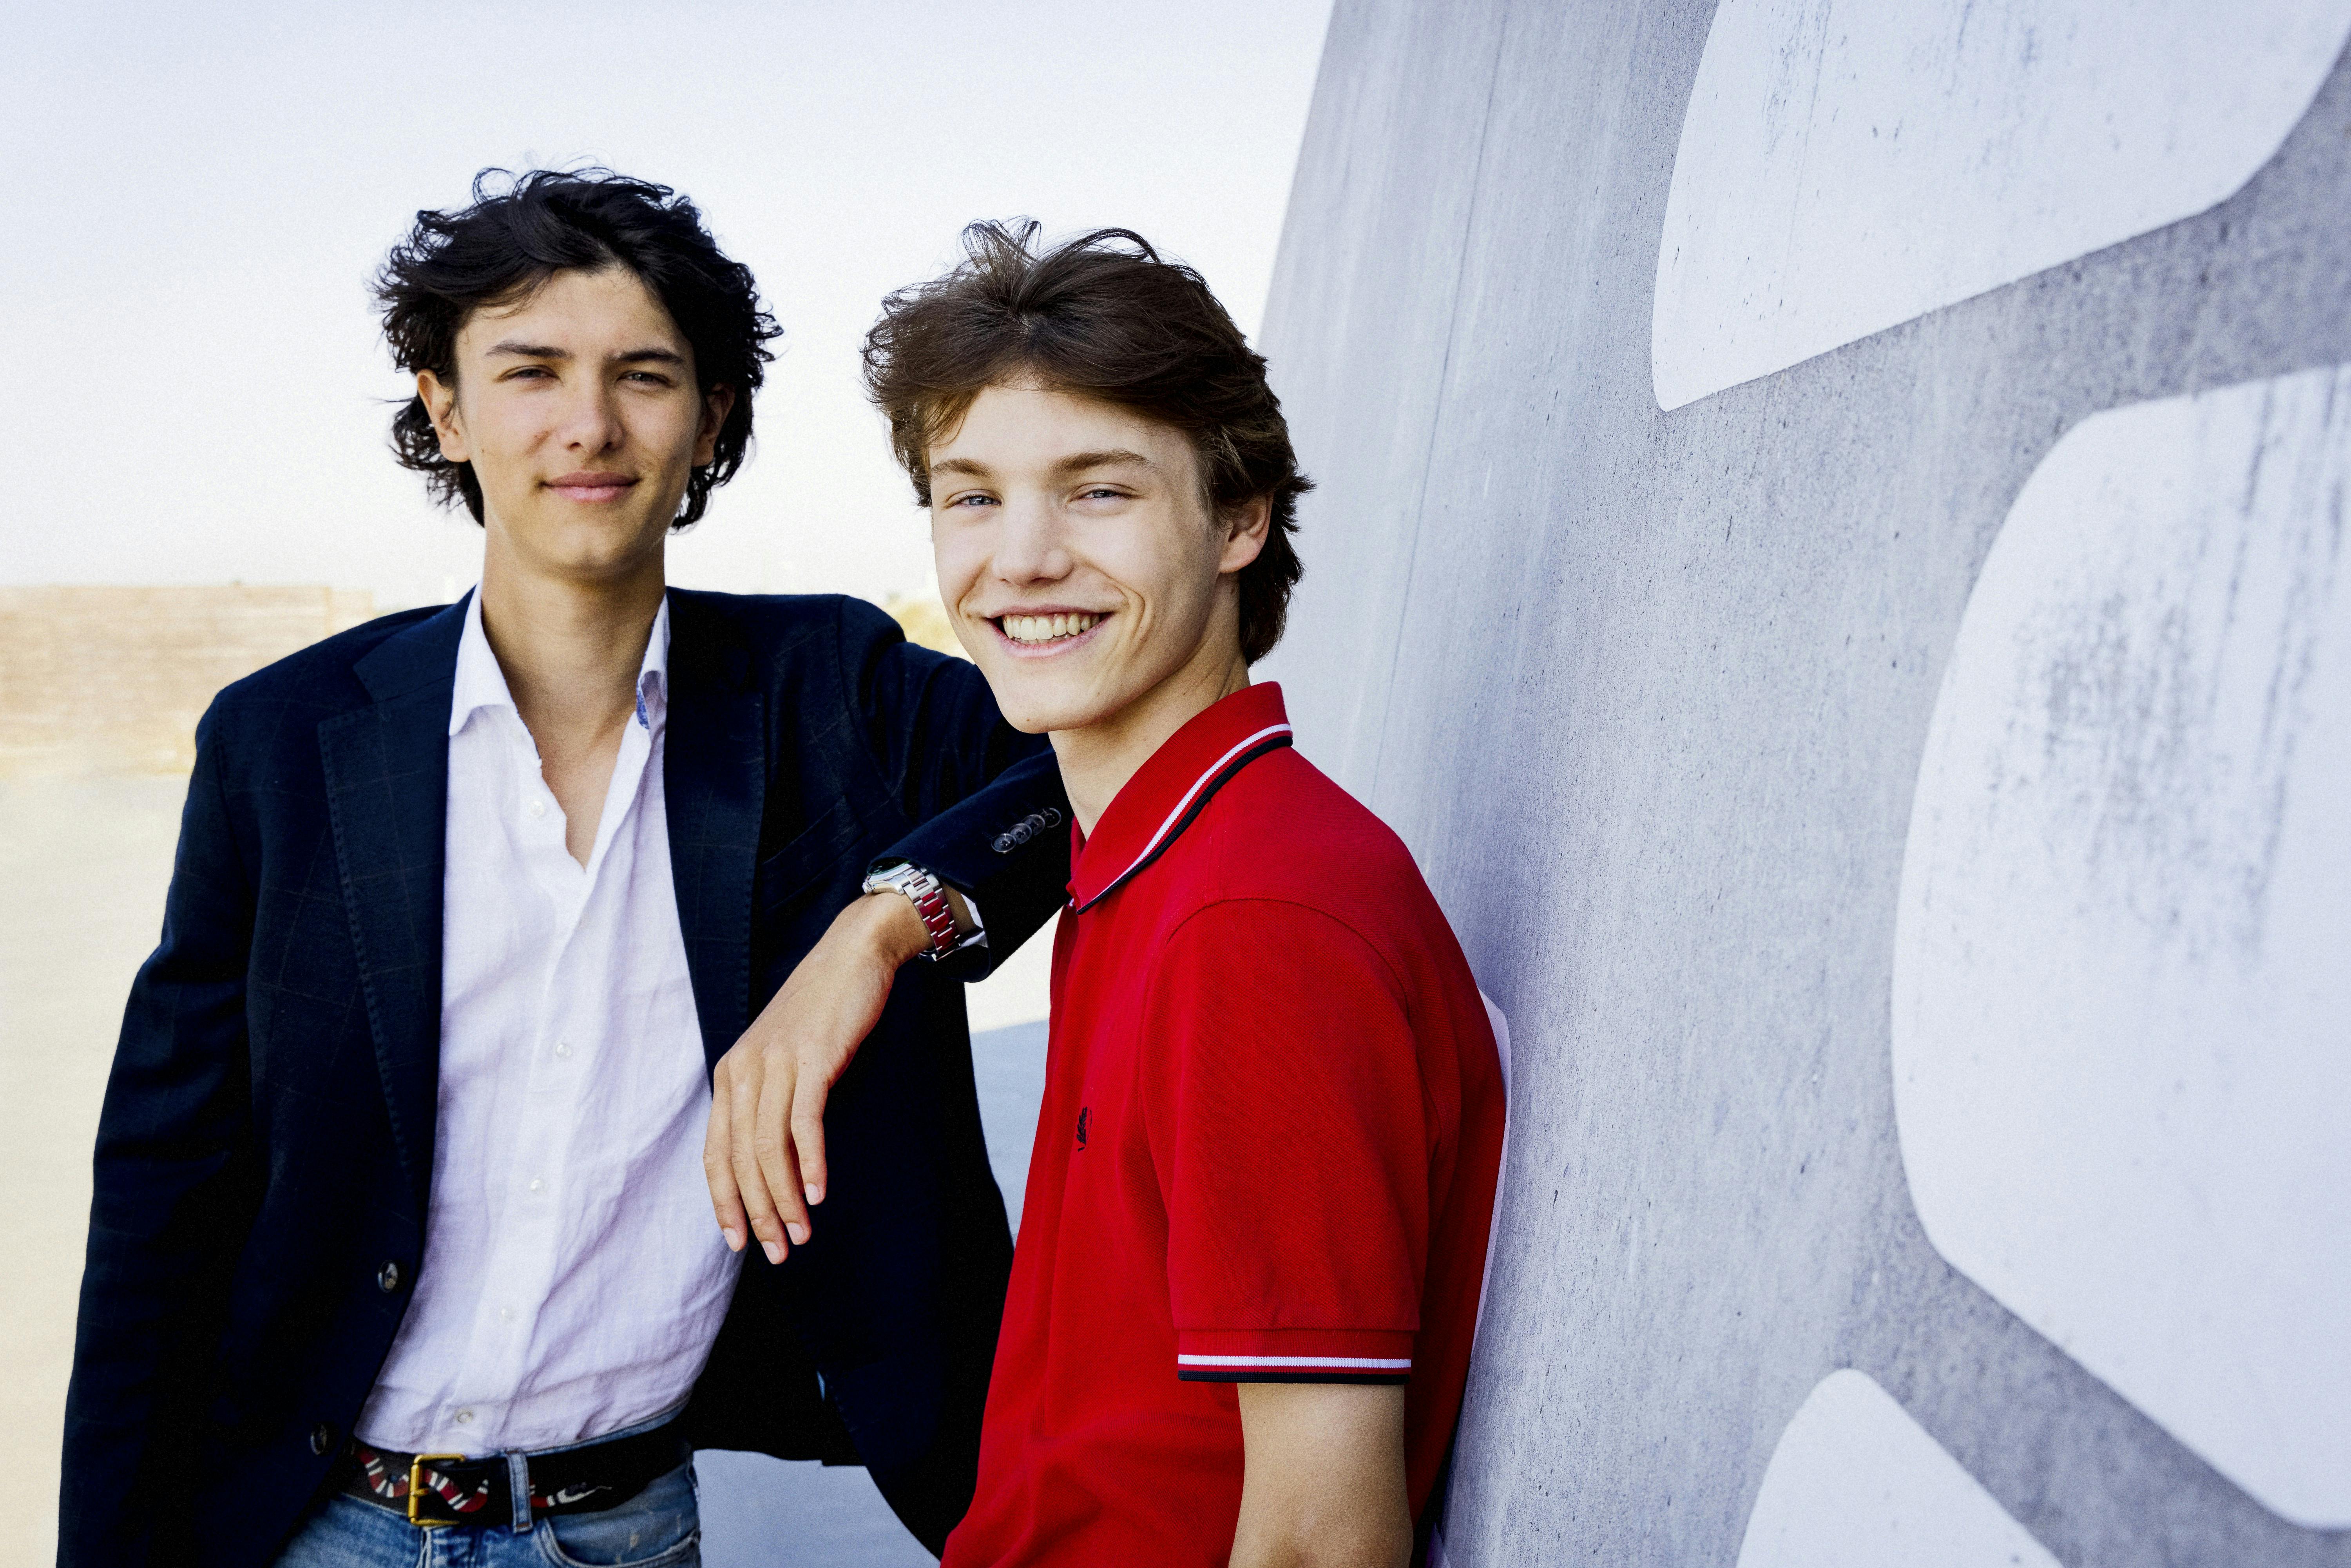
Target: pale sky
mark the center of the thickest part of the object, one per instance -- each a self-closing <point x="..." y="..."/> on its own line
<point x="203" y="191"/>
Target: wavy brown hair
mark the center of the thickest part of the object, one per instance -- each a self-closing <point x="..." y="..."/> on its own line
<point x="1105" y="315"/>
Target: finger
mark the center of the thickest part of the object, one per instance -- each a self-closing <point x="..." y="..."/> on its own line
<point x="808" y="1133"/>
<point x="757" y="1206"/>
<point x="777" y="1167"/>
<point x="718" y="1169"/>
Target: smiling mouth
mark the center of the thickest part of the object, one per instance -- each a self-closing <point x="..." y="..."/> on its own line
<point x="591" y="486"/>
<point x="1044" y="630"/>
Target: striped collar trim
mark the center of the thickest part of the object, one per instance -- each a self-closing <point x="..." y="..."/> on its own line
<point x="1258" y="707"/>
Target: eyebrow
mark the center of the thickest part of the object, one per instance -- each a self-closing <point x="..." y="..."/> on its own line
<point x="522" y="350"/>
<point x="1117" y="456"/>
<point x="1076" y="463"/>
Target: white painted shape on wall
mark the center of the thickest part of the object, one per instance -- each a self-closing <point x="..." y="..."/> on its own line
<point x="1855" y="1483"/>
<point x="2122" y="970"/>
<point x="1501" y="1026"/>
<point x="1848" y="165"/>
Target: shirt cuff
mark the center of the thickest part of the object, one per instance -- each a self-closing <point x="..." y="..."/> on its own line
<point x="1293" y="1355"/>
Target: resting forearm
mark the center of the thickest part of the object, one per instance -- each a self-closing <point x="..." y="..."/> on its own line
<point x="886" y="926"/>
<point x="764" y="1152"/>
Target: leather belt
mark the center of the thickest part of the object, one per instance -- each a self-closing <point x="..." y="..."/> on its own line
<point x="434" y="1490"/>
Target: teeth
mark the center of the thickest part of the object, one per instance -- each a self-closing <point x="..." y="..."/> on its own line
<point x="1047" y="628"/>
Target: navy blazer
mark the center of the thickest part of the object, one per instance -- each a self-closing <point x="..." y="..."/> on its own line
<point x="266" y="1144"/>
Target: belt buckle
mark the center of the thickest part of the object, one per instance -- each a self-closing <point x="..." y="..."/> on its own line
<point x="416" y="1488"/>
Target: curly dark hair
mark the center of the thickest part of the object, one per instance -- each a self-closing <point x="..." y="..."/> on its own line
<point x="516" y="236"/>
<point x="1106" y="316"/>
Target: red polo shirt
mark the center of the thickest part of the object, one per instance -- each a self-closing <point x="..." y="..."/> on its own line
<point x="1271" y="1133"/>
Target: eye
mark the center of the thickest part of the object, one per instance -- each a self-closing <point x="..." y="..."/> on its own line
<point x="971" y="500"/>
<point x="531" y="373"/>
<point x="650" y="378"/>
<point x="1102" y="493"/>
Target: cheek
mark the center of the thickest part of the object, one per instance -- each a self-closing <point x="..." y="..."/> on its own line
<point x="497" y="426"/>
<point x="1180" y="566"/>
<point x="675" y="427"/>
<point x="960" y="556"/>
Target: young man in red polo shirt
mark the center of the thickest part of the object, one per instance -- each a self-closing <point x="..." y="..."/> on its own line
<point x="1256" y="1223"/>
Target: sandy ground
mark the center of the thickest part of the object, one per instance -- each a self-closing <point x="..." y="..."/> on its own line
<point x="83" y="865"/>
<point x="82" y="870"/>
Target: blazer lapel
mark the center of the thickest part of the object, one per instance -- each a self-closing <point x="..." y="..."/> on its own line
<point x="387" y="771"/>
<point x="714" y="776"/>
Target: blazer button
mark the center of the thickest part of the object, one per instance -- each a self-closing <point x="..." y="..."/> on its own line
<point x="386" y="1279"/>
<point x="1003" y="844"/>
<point x="322" y="1437"/>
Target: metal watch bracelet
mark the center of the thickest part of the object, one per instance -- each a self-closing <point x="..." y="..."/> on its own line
<point x="929" y="898"/>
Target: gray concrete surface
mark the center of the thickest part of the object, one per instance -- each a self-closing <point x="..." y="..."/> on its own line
<point x="1647" y="692"/>
<point x="83" y="865"/>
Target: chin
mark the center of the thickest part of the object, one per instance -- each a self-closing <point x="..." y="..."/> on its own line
<point x="1034" y="717"/>
<point x="1035" y="708"/>
<point x="613" y="550"/>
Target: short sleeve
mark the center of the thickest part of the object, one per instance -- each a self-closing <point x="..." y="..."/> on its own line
<point x="1283" y="1098"/>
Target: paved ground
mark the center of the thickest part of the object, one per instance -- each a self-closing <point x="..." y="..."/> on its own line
<point x="83" y="865"/>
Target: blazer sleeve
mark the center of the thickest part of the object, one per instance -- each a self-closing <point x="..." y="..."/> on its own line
<point x="991" y="815"/>
<point x="172" y="1198"/>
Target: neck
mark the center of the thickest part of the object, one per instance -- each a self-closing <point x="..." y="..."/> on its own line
<point x="570" y="649"/>
<point x="1097" y="761"/>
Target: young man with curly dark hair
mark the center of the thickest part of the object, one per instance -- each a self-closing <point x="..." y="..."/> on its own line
<point x="1255" y="1231"/>
<point x="400" y="1244"/>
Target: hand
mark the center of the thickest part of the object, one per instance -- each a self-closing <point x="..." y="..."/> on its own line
<point x="764" y="1154"/>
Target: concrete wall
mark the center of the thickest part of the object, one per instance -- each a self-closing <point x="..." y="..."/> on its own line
<point x="1831" y="550"/>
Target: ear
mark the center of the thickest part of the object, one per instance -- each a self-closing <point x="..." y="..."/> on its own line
<point x="439" y="399"/>
<point x="716" y="404"/>
<point x="1245" y="526"/>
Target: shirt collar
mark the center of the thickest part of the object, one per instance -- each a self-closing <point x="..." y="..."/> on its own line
<point x="481" y="684"/>
<point x="1168" y="791"/>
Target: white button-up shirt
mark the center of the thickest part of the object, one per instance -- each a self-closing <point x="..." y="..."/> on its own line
<point x="573" y="1279"/>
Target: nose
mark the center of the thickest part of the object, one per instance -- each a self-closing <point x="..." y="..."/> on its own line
<point x="589" y="422"/>
<point x="1031" y="543"/>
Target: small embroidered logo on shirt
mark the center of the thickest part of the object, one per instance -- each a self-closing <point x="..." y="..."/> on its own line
<point x="1082" y="1114"/>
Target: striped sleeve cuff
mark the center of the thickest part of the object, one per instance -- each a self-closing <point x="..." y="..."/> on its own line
<point x="1293" y="1355"/>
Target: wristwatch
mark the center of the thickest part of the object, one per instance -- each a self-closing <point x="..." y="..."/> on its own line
<point x="930" y="901"/>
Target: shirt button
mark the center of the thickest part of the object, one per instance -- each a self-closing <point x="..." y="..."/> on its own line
<point x="322" y="1437"/>
<point x="536" y="1184"/>
<point x="386" y="1279"/>
<point x="506" y="1314"/>
<point x="464" y="1418"/>
<point x="539" y="807"/>
<point x="563" y="1048"/>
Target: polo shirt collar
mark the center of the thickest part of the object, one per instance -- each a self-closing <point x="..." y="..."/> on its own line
<point x="1167" y="792"/>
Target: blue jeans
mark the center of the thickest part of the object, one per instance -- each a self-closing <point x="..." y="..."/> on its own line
<point x="661" y="1527"/>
